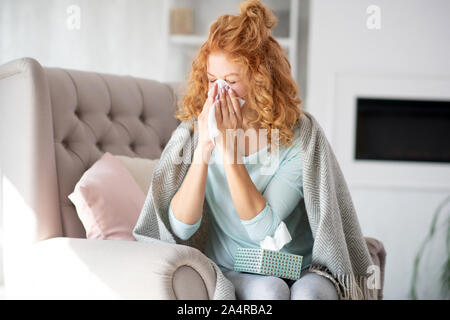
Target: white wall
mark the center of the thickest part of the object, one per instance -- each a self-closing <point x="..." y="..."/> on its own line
<point x="413" y="42"/>
<point x="115" y="36"/>
<point x="119" y="36"/>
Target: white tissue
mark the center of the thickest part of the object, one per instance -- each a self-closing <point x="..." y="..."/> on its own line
<point x="212" y="123"/>
<point x="279" y="239"/>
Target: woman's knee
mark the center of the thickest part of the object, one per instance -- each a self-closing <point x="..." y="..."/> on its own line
<point x="259" y="287"/>
<point x="275" y="289"/>
<point x="313" y="286"/>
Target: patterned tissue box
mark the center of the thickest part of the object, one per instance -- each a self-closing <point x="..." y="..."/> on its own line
<point x="268" y="262"/>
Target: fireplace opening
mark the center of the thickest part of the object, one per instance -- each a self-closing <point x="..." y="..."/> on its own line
<point x="402" y="130"/>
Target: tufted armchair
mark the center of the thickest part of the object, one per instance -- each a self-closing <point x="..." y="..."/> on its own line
<point x="54" y="125"/>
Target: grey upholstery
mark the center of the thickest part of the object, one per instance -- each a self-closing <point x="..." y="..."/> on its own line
<point x="94" y="113"/>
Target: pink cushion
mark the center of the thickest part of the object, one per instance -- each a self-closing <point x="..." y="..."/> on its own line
<point x="108" y="200"/>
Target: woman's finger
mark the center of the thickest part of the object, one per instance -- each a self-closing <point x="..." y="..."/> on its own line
<point x="233" y="99"/>
<point x="210" y="99"/>
<point x="223" y="105"/>
<point x="218" y="112"/>
<point x="230" y="106"/>
<point x="211" y="93"/>
<point x="215" y="90"/>
<point x="236" y="105"/>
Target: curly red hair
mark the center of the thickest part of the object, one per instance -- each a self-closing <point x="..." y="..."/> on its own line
<point x="247" y="41"/>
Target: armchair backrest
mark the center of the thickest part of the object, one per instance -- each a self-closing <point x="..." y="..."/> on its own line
<point x="55" y="124"/>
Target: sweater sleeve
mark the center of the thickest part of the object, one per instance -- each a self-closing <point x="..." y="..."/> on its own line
<point x="282" y="194"/>
<point x="182" y="230"/>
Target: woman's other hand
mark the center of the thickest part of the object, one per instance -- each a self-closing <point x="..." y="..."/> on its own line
<point x="205" y="144"/>
<point x="228" y="117"/>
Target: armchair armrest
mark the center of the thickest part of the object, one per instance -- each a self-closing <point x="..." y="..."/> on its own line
<point x="71" y="268"/>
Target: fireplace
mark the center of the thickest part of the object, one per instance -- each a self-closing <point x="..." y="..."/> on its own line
<point x="402" y="130"/>
<point x="391" y="130"/>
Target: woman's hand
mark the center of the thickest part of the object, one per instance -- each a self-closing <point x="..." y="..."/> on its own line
<point x="204" y="142"/>
<point x="228" y="117"/>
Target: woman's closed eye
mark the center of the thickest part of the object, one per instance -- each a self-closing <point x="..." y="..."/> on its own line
<point x="230" y="82"/>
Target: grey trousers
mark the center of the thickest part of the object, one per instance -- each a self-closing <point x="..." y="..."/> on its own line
<point x="310" y="286"/>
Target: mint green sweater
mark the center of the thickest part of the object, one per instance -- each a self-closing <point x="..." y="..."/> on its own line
<point x="282" y="188"/>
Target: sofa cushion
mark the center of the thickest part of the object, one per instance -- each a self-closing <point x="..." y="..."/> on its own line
<point x="108" y="200"/>
<point x="140" y="168"/>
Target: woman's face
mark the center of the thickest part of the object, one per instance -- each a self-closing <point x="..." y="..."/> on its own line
<point x="218" y="67"/>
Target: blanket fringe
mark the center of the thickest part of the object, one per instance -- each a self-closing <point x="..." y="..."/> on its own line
<point x="348" y="286"/>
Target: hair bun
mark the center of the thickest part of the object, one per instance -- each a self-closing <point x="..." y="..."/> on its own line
<point x="258" y="13"/>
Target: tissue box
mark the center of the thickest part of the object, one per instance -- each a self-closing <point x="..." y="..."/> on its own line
<point x="268" y="262"/>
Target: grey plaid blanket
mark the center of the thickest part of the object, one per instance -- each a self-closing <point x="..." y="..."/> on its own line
<point x="339" y="253"/>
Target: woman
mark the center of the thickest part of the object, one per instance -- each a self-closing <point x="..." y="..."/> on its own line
<point x="247" y="204"/>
